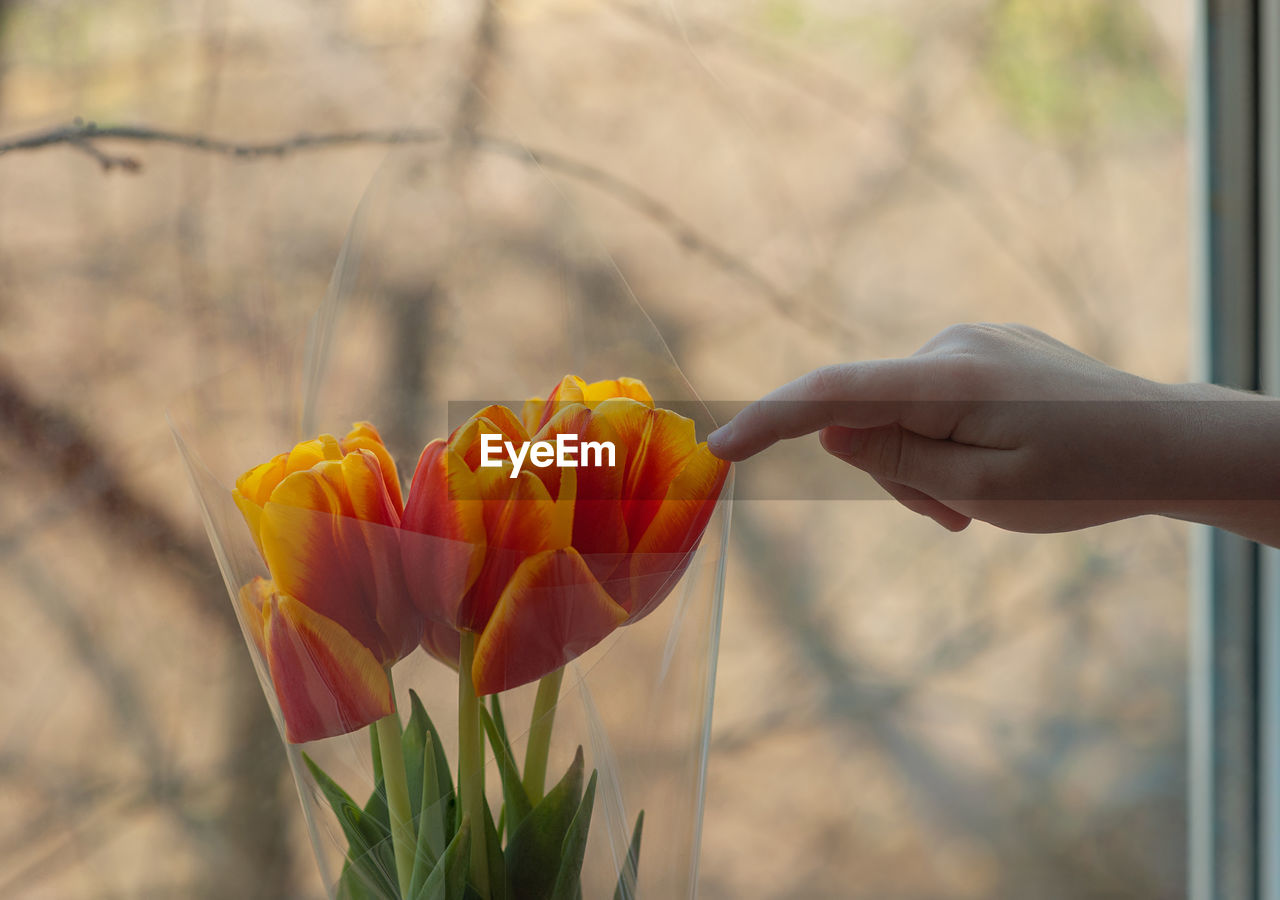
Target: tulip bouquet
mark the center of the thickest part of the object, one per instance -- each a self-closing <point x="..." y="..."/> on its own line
<point x="505" y="574"/>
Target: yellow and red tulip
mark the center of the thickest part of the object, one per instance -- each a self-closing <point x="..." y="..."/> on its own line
<point x="326" y="681"/>
<point x="544" y="565"/>
<point x="326" y="518"/>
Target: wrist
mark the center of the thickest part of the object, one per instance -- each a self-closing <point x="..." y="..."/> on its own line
<point x="1220" y="462"/>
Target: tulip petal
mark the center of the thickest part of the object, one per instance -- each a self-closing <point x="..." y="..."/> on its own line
<point x="687" y="505"/>
<point x="308" y="453"/>
<point x="443" y="541"/>
<point x="376" y="523"/>
<point x="367" y="496"/>
<point x="254" y="487"/>
<point x="663" y="552"/>
<point x="492" y="419"/>
<point x="252" y="513"/>
<point x="598" y="526"/>
<point x="254" y="600"/>
<point x="531" y="413"/>
<point x="551" y="611"/>
<point x="363" y="436"/>
<point x="324" y="558"/>
<point x="257" y="484"/>
<point x="571" y="419"/>
<point x="537" y="412"/>
<point x="442" y="641"/>
<point x="632" y="388"/>
<point x="657" y="444"/>
<point x="519" y="521"/>
<point x="326" y="517"/>
<point x="327" y="682"/>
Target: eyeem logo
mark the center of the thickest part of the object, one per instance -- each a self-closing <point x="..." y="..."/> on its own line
<point x="564" y="452"/>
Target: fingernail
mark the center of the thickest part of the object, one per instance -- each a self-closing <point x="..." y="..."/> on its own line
<point x="720" y="437"/>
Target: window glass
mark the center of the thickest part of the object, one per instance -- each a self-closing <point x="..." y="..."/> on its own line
<point x="900" y="711"/>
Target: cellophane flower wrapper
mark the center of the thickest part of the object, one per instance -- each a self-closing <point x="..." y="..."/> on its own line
<point x="436" y="311"/>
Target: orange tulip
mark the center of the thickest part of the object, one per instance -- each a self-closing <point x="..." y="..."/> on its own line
<point x="326" y="518"/>
<point x="326" y="681"/>
<point x="544" y="565"/>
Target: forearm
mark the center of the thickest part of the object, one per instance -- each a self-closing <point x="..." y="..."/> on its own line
<point x="1227" y="469"/>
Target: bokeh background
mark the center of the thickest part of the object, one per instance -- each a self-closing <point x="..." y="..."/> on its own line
<point x="900" y="712"/>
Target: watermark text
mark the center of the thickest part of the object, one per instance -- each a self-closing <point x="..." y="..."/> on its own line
<point x="565" y="452"/>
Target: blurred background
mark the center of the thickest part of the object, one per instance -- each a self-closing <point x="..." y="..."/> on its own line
<point x="900" y="712"/>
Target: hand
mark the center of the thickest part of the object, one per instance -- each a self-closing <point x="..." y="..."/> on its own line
<point x="1005" y="424"/>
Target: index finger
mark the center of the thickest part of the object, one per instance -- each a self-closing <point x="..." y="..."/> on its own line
<point x="857" y="395"/>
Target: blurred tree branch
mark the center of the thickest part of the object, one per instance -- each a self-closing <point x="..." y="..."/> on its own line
<point x="63" y="449"/>
<point x="857" y="695"/>
<point x="83" y="136"/>
<point x="58" y="447"/>
<point x="921" y="152"/>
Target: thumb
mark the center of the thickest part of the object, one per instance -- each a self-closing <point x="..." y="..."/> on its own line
<point x="941" y="469"/>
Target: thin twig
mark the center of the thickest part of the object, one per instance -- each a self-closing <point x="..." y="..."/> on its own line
<point x="923" y="153"/>
<point x="81" y="135"/>
<point x="106" y="160"/>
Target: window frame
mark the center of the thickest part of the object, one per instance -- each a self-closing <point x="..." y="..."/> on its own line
<point x="1234" y="722"/>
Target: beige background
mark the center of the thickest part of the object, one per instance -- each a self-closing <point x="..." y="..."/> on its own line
<point x="901" y="712"/>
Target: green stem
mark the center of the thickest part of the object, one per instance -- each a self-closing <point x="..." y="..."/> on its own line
<point x="471" y="763"/>
<point x="544" y="716"/>
<point x="403" y="842"/>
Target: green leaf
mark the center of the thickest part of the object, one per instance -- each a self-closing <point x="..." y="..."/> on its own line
<point x="535" y="849"/>
<point x="413" y="741"/>
<point x="431" y="833"/>
<point x="516" y="805"/>
<point x="353" y="886"/>
<point x="376" y="748"/>
<point x="369" y="851"/>
<point x="568" y="884"/>
<point x="448" y="878"/>
<point x="499" y="885"/>
<point x="377" y="817"/>
<point x="416" y="733"/>
<point x="500" y="721"/>
<point x="626" y="889"/>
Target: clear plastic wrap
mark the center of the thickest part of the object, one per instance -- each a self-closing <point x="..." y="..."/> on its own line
<point x="431" y="317"/>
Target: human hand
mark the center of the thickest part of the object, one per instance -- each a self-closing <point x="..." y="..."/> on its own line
<point x="1005" y="424"/>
